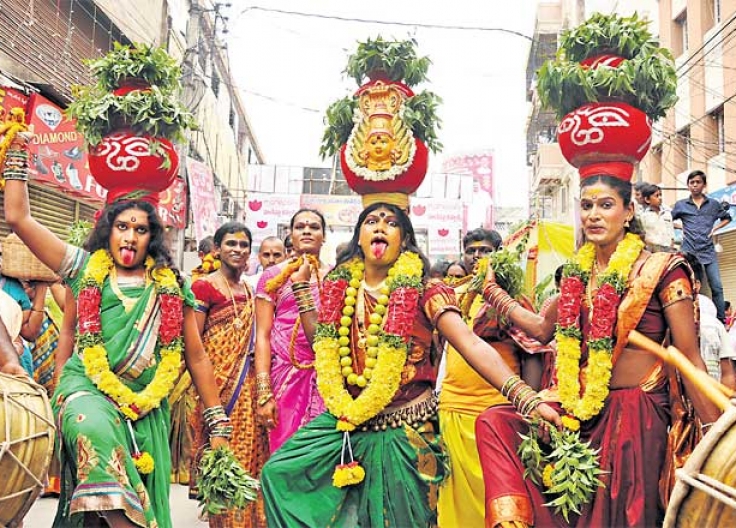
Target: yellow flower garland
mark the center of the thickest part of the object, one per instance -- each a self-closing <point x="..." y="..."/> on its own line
<point x="97" y="367"/>
<point x="598" y="370"/>
<point x="386" y="375"/>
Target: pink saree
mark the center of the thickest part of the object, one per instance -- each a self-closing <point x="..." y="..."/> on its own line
<point x="294" y="388"/>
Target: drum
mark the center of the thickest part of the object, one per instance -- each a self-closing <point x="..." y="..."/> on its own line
<point x="705" y="491"/>
<point x="26" y="446"/>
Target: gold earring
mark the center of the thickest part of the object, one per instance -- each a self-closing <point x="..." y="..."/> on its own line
<point x="626" y="224"/>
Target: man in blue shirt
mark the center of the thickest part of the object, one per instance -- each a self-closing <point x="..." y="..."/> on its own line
<point x="698" y="215"/>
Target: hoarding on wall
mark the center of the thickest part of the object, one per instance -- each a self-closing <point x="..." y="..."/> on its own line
<point x="726" y="195"/>
<point x="58" y="157"/>
<point x="11" y="98"/>
<point x="265" y="212"/>
<point x="480" y="166"/>
<point x="202" y="194"/>
<point x="337" y="209"/>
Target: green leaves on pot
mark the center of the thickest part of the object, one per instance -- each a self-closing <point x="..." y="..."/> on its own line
<point x="646" y="80"/>
<point x="141" y="61"/>
<point x="397" y="61"/>
<point x="624" y="36"/>
<point x="648" y="83"/>
<point x="420" y="115"/>
<point x="224" y="484"/>
<point x="153" y="112"/>
<point x="339" y="121"/>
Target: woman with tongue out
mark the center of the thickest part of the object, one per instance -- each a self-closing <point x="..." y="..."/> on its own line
<point x="375" y="457"/>
<point x="135" y="321"/>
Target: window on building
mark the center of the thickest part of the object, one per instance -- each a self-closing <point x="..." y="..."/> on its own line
<point x="720" y="130"/>
<point x="679" y="35"/>
<point x="711" y="13"/>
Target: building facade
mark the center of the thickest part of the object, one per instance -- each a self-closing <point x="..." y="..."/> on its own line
<point x="698" y="132"/>
<point x="41" y="60"/>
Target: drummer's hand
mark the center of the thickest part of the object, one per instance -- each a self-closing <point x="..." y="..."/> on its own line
<point x="14" y="369"/>
<point x="304" y="273"/>
<point x="218" y="441"/>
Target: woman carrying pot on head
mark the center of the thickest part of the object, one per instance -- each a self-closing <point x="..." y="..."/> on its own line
<point x="135" y="319"/>
<point x="284" y="361"/>
<point x="225" y="317"/>
<point x="375" y="458"/>
<point x="612" y="286"/>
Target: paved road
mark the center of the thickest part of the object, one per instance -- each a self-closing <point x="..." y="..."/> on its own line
<point x="183" y="511"/>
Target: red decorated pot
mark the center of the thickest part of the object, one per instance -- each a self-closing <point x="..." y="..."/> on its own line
<point x="123" y="159"/>
<point x="131" y="84"/>
<point x="605" y="59"/>
<point x="605" y="138"/>
<point x="406" y="182"/>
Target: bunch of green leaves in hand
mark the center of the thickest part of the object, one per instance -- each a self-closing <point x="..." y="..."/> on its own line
<point x="567" y="468"/>
<point x="224" y="485"/>
<point x="507" y="268"/>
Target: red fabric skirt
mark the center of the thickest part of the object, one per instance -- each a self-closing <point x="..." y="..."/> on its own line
<point x="631" y="433"/>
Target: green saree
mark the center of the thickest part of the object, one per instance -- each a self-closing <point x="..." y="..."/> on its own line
<point x="404" y="468"/>
<point x="98" y="471"/>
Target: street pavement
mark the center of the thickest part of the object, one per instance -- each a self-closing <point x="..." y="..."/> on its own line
<point x="183" y="511"/>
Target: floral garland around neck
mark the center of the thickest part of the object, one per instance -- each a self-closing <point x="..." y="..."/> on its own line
<point x="388" y="341"/>
<point x="132" y="404"/>
<point x="611" y="286"/>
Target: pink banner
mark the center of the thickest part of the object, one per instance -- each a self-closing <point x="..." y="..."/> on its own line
<point x="202" y="193"/>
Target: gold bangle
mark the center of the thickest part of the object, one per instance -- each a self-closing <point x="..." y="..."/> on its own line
<point x="263" y="400"/>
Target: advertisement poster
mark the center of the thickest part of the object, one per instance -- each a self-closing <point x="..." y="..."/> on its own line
<point x="264" y="212"/>
<point x="57" y="151"/>
<point x="443" y="221"/>
<point x="338" y="209"/>
<point x="202" y="192"/>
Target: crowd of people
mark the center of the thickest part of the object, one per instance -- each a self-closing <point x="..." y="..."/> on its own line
<point x="380" y="391"/>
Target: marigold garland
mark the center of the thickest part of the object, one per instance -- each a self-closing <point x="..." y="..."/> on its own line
<point x="393" y="341"/>
<point x="389" y="336"/>
<point x="612" y="285"/>
<point x="94" y="356"/>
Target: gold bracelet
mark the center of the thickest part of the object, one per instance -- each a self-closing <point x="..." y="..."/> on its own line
<point x="263" y="400"/>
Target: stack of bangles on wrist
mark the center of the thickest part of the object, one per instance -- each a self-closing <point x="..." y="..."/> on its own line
<point x="521" y="395"/>
<point x="501" y="301"/>
<point x="217" y="422"/>
<point x="263" y="388"/>
<point x="16" y="165"/>
<point x="303" y="296"/>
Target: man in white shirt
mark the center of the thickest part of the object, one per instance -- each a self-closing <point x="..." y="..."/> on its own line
<point x="271" y="252"/>
<point x="716" y="347"/>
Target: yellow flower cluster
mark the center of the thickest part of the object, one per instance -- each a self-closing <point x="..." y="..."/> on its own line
<point x="549" y="469"/>
<point x="164" y="277"/>
<point x="96" y="364"/>
<point x="570" y="423"/>
<point x="598" y="370"/>
<point x="347" y="475"/>
<point x="408" y="264"/>
<point x="98" y="268"/>
<point x="144" y="463"/>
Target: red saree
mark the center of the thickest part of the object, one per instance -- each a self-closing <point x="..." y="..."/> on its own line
<point x="631" y="431"/>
